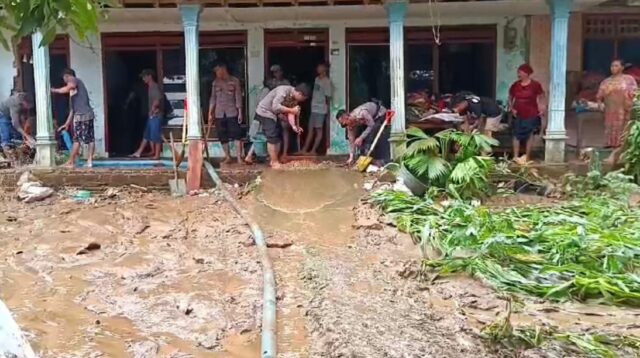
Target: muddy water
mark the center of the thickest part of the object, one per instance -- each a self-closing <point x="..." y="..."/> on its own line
<point x="318" y="204"/>
<point x="315" y="207"/>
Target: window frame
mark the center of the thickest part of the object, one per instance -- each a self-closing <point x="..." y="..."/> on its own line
<point x="616" y="35"/>
<point x="416" y="35"/>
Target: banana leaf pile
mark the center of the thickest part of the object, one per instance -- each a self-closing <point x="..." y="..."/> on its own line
<point x="586" y="248"/>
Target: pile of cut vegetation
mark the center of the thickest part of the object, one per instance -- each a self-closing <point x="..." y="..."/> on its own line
<point x="583" y="248"/>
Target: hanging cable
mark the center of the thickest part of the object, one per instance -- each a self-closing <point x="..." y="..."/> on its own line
<point x="435" y="20"/>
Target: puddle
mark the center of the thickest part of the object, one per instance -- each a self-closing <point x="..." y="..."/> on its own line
<point x="316" y="203"/>
<point x="316" y="208"/>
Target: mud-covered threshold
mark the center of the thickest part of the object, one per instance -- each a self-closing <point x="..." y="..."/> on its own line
<point x="102" y="178"/>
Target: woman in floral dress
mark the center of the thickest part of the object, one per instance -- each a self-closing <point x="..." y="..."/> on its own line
<point x="616" y="95"/>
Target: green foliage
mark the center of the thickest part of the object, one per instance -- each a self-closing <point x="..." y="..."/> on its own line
<point x="613" y="184"/>
<point x="23" y="17"/>
<point x="586" y="248"/>
<point x="631" y="154"/>
<point x="462" y="173"/>
<point x="586" y="344"/>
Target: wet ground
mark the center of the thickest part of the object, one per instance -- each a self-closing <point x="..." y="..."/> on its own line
<point x="180" y="278"/>
<point x="133" y="275"/>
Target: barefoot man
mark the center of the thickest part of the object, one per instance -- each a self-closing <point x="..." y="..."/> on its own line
<point x="322" y="90"/>
<point x="153" y="129"/>
<point x="81" y="113"/>
<point x="272" y="106"/>
<point x="225" y="109"/>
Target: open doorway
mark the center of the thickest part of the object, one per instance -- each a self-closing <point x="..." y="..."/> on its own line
<point x="126" y="98"/>
<point x="299" y="52"/>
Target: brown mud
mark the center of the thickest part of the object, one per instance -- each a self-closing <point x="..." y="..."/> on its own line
<point x="171" y="277"/>
<point x="136" y="274"/>
<point x="342" y="277"/>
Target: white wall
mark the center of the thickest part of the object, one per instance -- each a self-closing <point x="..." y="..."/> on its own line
<point x="7" y="72"/>
<point x="86" y="60"/>
<point x="88" y="63"/>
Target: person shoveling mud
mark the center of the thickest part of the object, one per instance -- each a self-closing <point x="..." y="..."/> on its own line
<point x="362" y="124"/>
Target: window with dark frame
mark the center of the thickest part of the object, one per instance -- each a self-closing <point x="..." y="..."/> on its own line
<point x="610" y="36"/>
<point x="465" y="61"/>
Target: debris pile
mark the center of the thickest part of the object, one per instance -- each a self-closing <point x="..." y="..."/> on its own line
<point x="31" y="190"/>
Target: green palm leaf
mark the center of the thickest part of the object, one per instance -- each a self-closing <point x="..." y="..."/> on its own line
<point x="416" y="133"/>
<point x="428" y="144"/>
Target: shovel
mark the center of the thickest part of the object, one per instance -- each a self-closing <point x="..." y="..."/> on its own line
<point x="178" y="186"/>
<point x="363" y="162"/>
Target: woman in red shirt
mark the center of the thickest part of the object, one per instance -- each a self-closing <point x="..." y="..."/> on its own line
<point x="526" y="98"/>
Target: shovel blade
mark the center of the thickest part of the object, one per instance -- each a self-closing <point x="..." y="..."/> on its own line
<point x="363" y="163"/>
<point x="178" y="187"/>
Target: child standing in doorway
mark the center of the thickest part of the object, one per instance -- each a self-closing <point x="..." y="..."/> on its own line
<point x="322" y="92"/>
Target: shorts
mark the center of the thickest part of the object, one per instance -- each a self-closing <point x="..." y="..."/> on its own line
<point x="271" y="128"/>
<point x="228" y="129"/>
<point x="316" y="120"/>
<point x="524" y="128"/>
<point x="83" y="128"/>
<point x="153" y="130"/>
<point x="6" y="131"/>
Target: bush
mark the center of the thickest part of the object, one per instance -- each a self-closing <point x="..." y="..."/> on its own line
<point x="450" y="160"/>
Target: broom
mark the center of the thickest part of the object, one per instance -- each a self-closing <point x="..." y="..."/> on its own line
<point x="363" y="162"/>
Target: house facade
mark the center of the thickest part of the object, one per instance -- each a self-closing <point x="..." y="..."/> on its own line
<point x="377" y="49"/>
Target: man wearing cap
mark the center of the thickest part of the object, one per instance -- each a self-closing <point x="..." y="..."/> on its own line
<point x="362" y="124"/>
<point x="81" y="113"/>
<point x="225" y="109"/>
<point x="277" y="77"/>
<point x="153" y="129"/>
<point x="11" y="109"/>
<point x="281" y="100"/>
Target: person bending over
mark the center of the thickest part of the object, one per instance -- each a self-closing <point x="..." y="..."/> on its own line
<point x="482" y="113"/>
<point x="362" y="125"/>
<point x="280" y="102"/>
<point x="11" y="110"/>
